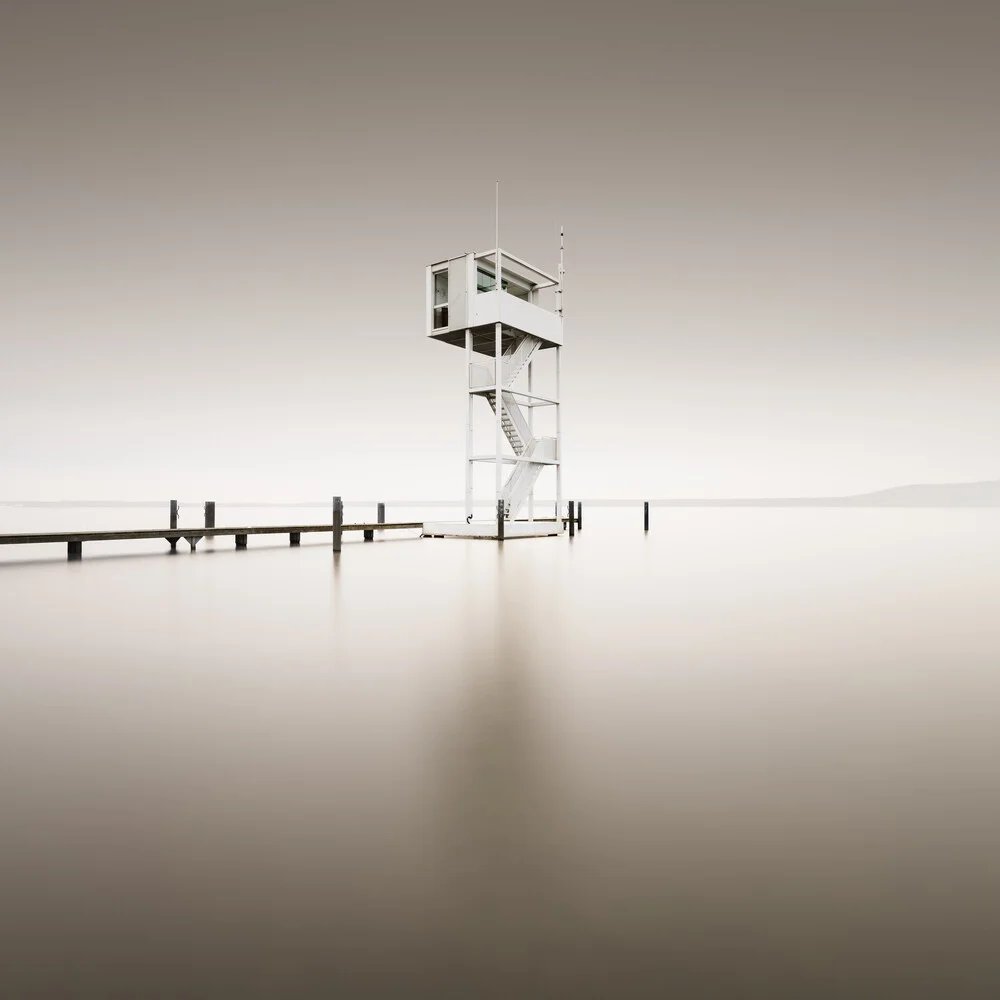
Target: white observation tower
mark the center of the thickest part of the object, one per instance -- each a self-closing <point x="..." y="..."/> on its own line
<point x="518" y="322"/>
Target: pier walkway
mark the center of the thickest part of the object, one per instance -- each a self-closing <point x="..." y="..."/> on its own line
<point x="73" y="540"/>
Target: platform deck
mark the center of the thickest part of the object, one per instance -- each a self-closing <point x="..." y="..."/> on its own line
<point x="489" y="529"/>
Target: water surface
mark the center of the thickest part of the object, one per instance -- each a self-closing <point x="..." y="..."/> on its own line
<point x="753" y="753"/>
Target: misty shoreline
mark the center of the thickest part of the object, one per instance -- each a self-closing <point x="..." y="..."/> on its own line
<point x="944" y="495"/>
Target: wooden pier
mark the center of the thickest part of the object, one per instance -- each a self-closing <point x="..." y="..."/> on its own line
<point x="73" y="540"/>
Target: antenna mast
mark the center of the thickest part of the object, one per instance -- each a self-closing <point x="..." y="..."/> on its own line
<point x="497" y="218"/>
<point x="562" y="272"/>
<point x="498" y="376"/>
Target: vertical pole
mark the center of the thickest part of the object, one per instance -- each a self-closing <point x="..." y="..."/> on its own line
<point x="338" y="522"/>
<point x="209" y="513"/>
<point x="468" y="422"/>
<point x="498" y="357"/>
<point x="74" y="551"/>
<point x="645" y="516"/>
<point x="531" y="429"/>
<point x="381" y="513"/>
<point x="173" y="524"/>
<point x="558" y="437"/>
<point x="500" y="520"/>
<point x="572" y="520"/>
<point x="579" y="515"/>
<point x="498" y="387"/>
<point x="562" y="271"/>
<point x="562" y="326"/>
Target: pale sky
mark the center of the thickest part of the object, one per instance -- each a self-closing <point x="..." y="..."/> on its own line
<point x="781" y="219"/>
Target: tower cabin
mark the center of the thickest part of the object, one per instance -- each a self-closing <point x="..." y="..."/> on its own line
<point x="462" y="295"/>
<point x="516" y="319"/>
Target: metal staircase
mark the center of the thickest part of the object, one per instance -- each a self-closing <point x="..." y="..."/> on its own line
<point x="517" y="356"/>
<point x="519" y="483"/>
<point x="515" y="427"/>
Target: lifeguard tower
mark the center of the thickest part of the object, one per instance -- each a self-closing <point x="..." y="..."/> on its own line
<point x="508" y="316"/>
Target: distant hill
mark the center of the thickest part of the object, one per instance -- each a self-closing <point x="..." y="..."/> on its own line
<point x="982" y="494"/>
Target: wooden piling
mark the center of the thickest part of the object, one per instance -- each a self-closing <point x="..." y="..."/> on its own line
<point x="380" y="518"/>
<point x="241" y="541"/>
<point x="173" y="515"/>
<point x="645" y="516"/>
<point x="338" y="522"/>
<point x="74" y="551"/>
<point x="294" y="538"/>
<point x="572" y="519"/>
<point x="209" y="513"/>
<point x="579" y="515"/>
<point x="500" y="517"/>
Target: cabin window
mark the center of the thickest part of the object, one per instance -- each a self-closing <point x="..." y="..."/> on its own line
<point x="486" y="282"/>
<point x="440" y="299"/>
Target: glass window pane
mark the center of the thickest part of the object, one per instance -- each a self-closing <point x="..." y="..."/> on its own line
<point x="485" y="281"/>
<point x="440" y="288"/>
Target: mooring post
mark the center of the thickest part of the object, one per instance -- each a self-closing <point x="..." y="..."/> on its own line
<point x="295" y="538"/>
<point x="209" y="513"/>
<point x="338" y="522"/>
<point x="579" y="515"/>
<point x="572" y="519"/>
<point x="380" y="519"/>
<point x="241" y="541"/>
<point x="173" y="525"/>
<point x="500" y="520"/>
<point x="645" y="516"/>
<point x="74" y="551"/>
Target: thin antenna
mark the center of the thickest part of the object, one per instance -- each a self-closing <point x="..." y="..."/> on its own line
<point x="562" y="272"/>
<point x="499" y="284"/>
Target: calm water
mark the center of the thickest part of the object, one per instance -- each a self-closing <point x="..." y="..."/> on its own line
<point x="754" y="753"/>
